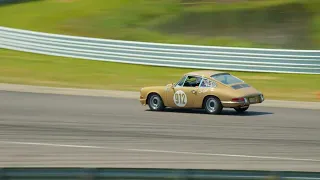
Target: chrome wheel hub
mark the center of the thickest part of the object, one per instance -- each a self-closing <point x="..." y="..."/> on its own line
<point x="211" y="105"/>
<point x="155" y="102"/>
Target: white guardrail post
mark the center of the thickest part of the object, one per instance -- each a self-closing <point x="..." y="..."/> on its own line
<point x="156" y="54"/>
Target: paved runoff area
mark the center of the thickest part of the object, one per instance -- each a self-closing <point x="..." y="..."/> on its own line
<point x="112" y="130"/>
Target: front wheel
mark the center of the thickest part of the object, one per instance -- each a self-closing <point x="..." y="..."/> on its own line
<point x="155" y="103"/>
<point x="241" y="109"/>
<point x="212" y="105"/>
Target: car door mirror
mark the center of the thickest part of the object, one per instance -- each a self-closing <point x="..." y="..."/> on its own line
<point x="171" y="85"/>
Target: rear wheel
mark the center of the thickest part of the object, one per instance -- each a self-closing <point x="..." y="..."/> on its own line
<point x="155" y="103"/>
<point x="241" y="109"/>
<point x="212" y="105"/>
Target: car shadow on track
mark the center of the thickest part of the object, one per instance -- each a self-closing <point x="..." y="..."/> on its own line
<point x="226" y="112"/>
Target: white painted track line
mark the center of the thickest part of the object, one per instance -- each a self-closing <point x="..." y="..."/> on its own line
<point x="158" y="151"/>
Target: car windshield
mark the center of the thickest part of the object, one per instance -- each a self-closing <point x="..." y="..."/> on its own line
<point x="226" y="78"/>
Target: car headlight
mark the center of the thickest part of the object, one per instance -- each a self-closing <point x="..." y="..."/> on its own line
<point x="262" y="98"/>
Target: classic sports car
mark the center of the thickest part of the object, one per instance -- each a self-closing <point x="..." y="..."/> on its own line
<point x="209" y="90"/>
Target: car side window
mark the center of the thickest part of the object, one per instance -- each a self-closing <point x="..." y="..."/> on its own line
<point x="181" y="82"/>
<point x="207" y="83"/>
<point x="192" y="81"/>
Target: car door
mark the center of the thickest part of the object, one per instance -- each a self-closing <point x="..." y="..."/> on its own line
<point x="184" y="94"/>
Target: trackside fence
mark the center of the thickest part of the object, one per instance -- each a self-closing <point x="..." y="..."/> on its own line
<point x="169" y="55"/>
<point x="174" y="174"/>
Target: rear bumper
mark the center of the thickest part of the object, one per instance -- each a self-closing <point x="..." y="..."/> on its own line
<point x="256" y="100"/>
<point x="230" y="104"/>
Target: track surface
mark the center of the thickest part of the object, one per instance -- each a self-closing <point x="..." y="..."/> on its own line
<point x="59" y="130"/>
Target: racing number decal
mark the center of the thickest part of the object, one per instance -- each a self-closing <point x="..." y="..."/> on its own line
<point x="180" y="98"/>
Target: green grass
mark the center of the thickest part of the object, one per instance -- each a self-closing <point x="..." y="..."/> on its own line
<point x="28" y="68"/>
<point x="263" y="23"/>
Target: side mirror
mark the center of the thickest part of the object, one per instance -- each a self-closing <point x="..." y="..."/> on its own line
<point x="171" y="85"/>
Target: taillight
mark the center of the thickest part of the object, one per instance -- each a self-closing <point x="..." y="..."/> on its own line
<point x="238" y="99"/>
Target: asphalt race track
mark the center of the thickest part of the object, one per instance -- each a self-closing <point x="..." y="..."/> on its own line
<point x="59" y="130"/>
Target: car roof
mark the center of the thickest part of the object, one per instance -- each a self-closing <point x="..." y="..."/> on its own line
<point x="206" y="73"/>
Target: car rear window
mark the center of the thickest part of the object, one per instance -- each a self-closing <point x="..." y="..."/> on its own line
<point x="226" y="78"/>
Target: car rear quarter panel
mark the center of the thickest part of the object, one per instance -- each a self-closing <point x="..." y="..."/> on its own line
<point x="224" y="93"/>
<point x="220" y="92"/>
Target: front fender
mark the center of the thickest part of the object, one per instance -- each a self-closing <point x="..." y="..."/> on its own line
<point x="145" y="92"/>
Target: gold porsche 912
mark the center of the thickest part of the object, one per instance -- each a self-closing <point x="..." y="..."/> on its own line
<point x="208" y="90"/>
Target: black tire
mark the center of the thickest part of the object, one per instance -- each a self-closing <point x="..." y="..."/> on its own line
<point x="241" y="109"/>
<point x="155" y="102"/>
<point x="212" y="105"/>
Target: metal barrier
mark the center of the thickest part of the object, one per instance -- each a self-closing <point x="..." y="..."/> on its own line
<point x="170" y="55"/>
<point x="126" y="173"/>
